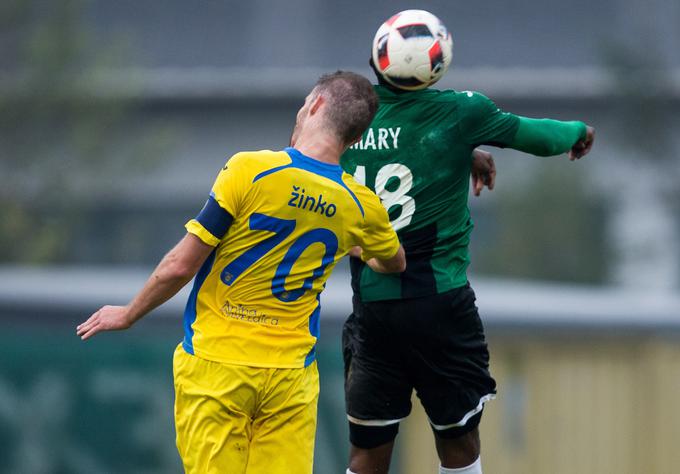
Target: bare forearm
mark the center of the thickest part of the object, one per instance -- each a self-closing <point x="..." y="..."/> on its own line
<point x="175" y="270"/>
<point x="395" y="264"/>
<point x="163" y="284"/>
<point x="377" y="266"/>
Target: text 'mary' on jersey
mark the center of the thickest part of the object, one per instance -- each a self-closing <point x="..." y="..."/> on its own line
<point x="416" y="155"/>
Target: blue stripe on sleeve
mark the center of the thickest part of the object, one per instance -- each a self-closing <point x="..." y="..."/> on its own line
<point x="214" y="218"/>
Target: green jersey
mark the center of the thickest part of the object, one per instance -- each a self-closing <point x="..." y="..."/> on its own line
<point x="417" y="157"/>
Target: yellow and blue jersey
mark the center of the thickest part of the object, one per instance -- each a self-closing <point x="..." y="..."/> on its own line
<point x="279" y="222"/>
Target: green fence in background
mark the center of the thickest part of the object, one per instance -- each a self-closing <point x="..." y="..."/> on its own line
<point x="105" y="406"/>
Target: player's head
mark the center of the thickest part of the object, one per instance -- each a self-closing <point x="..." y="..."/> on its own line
<point x="342" y="104"/>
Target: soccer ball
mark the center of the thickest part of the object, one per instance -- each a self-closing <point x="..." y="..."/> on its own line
<point x="412" y="50"/>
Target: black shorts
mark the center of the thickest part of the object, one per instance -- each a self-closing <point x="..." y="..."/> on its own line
<point x="432" y="344"/>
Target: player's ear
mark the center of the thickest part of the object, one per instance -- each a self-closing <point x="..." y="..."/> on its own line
<point x="317" y="102"/>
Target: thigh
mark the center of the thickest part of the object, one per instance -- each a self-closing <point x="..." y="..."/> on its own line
<point x="213" y="407"/>
<point x="451" y="363"/>
<point x="377" y="386"/>
<point x="284" y="425"/>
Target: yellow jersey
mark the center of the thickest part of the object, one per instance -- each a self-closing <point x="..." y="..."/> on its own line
<point x="279" y="222"/>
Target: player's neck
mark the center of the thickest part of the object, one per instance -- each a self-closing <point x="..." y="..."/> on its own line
<point x="320" y="146"/>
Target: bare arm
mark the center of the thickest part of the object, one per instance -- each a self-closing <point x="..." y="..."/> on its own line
<point x="176" y="269"/>
<point x="395" y="264"/>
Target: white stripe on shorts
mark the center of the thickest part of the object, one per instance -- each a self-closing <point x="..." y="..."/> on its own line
<point x="468" y="415"/>
<point x="357" y="421"/>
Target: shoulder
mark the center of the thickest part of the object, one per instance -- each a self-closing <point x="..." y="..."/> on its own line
<point x="265" y="158"/>
<point x="475" y="101"/>
<point x="369" y="201"/>
<point x="442" y="96"/>
<point x="360" y="190"/>
<point x="463" y="102"/>
<point x="446" y="96"/>
<point x="425" y="95"/>
<point x="251" y="163"/>
<point x="474" y="107"/>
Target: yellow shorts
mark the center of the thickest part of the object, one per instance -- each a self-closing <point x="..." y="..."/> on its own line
<point x="234" y="419"/>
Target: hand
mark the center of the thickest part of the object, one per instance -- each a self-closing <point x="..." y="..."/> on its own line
<point x="355" y="252"/>
<point x="483" y="172"/>
<point x="108" y="318"/>
<point x="582" y="147"/>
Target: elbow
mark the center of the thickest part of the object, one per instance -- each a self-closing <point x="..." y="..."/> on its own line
<point x="179" y="273"/>
<point x="546" y="149"/>
<point x="179" y="270"/>
<point x="184" y="272"/>
<point x="545" y="152"/>
<point x="398" y="264"/>
<point x="391" y="267"/>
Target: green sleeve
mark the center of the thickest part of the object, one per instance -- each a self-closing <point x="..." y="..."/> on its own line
<point x="483" y="123"/>
<point x="546" y="137"/>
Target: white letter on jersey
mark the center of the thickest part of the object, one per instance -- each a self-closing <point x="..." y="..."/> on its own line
<point x="395" y="135"/>
<point x="369" y="140"/>
<point x="382" y="139"/>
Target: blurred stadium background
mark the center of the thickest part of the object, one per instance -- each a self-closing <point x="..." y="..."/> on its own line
<point x="116" y="116"/>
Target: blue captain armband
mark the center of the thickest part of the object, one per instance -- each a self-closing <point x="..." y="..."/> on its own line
<point x="214" y="218"/>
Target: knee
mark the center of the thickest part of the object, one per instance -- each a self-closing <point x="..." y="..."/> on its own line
<point x="371" y="449"/>
<point x="369" y="437"/>
<point x="371" y="461"/>
<point x="460" y="450"/>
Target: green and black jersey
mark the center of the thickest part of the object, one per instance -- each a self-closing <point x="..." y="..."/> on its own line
<point x="416" y="156"/>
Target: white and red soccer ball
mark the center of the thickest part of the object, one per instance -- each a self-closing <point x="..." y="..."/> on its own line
<point x="412" y="50"/>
